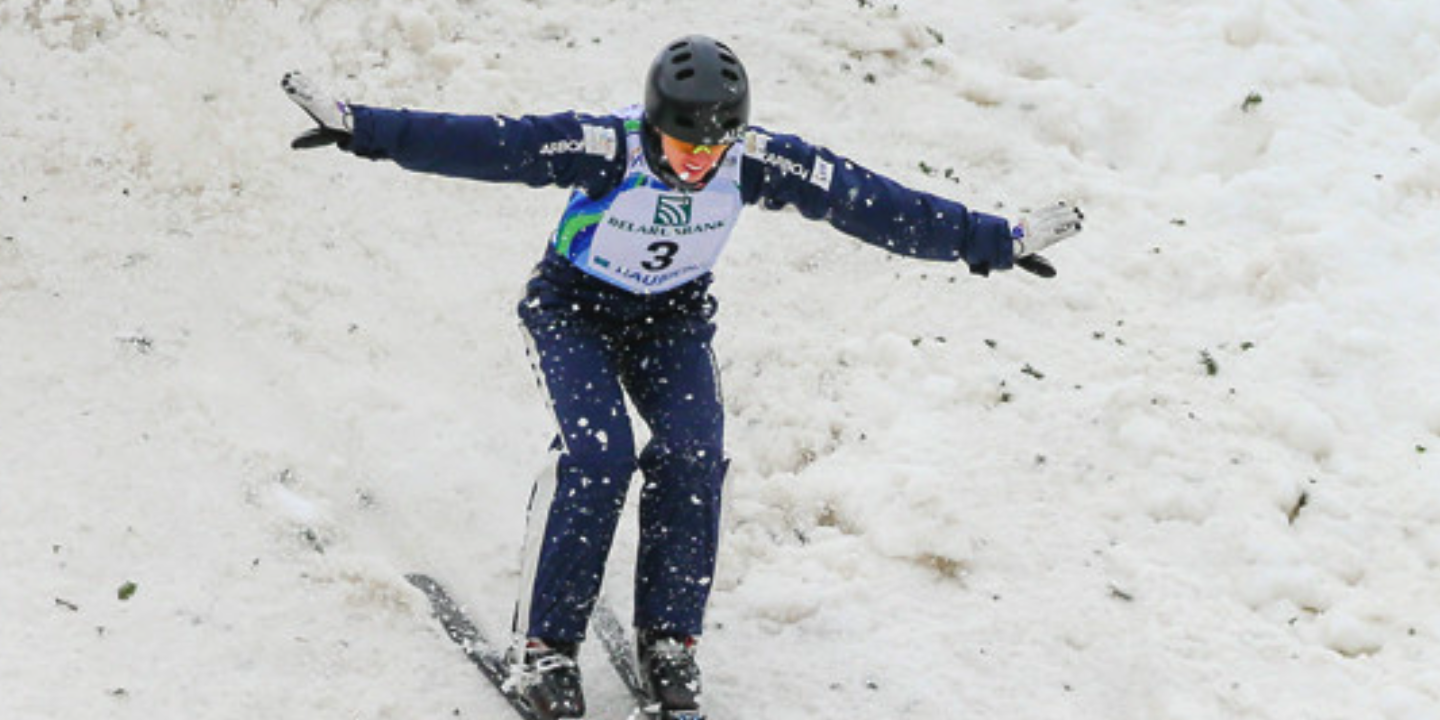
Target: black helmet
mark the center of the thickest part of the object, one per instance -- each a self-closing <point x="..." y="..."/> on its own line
<point x="697" y="92"/>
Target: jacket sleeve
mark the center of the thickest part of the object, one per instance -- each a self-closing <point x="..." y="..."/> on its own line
<point x="784" y="170"/>
<point x="568" y="149"/>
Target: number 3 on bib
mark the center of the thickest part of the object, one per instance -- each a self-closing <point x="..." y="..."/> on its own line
<point x="664" y="254"/>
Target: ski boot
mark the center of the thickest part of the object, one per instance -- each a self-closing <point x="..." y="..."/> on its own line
<point x="671" y="676"/>
<point x="548" y="677"/>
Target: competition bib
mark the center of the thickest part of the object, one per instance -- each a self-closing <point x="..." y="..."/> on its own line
<point x="645" y="237"/>
<point x="653" y="240"/>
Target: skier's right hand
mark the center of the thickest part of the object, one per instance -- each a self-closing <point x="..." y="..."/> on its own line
<point x="332" y="116"/>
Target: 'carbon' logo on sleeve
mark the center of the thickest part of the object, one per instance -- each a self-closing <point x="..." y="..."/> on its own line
<point x="596" y="140"/>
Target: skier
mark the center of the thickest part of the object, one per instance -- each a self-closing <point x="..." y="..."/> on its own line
<point x="619" y="305"/>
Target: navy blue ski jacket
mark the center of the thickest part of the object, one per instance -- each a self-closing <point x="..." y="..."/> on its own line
<point x="543" y="150"/>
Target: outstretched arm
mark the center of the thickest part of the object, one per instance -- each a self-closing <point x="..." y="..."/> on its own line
<point x="566" y="149"/>
<point x="784" y="170"/>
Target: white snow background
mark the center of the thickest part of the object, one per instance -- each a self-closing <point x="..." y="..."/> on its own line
<point x="1193" y="477"/>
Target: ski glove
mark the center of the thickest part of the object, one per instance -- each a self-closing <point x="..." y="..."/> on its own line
<point x="330" y="114"/>
<point x="1040" y="230"/>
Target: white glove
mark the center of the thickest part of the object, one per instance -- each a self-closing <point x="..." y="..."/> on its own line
<point x="333" y="116"/>
<point x="1040" y="230"/>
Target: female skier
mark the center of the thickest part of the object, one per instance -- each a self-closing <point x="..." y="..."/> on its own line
<point x="620" y="305"/>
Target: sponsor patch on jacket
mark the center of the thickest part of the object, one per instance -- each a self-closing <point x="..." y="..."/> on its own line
<point x="755" y="143"/>
<point x="820" y="174"/>
<point x="600" y="140"/>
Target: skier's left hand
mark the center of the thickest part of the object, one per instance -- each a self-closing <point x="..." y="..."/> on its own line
<point x="1040" y="230"/>
<point x="330" y="114"/>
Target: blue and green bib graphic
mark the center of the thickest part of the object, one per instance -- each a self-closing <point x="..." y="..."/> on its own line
<point x="582" y="214"/>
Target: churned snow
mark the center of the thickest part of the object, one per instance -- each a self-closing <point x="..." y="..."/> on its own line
<point x="1193" y="477"/>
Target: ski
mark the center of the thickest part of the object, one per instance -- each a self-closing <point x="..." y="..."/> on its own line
<point x="617" y="648"/>
<point x="620" y="652"/>
<point x="480" y="651"/>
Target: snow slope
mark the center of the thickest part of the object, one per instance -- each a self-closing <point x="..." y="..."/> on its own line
<point x="1193" y="477"/>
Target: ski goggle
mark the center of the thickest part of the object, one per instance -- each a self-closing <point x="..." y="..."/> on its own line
<point x="685" y="148"/>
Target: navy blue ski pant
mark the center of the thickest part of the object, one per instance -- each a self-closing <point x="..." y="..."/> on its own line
<point x="593" y="345"/>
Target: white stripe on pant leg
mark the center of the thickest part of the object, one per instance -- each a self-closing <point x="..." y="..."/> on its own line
<point x="542" y="497"/>
<point x="532" y="351"/>
<point x="538" y="517"/>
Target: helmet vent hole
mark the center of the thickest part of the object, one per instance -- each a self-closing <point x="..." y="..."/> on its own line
<point x="728" y="58"/>
<point x="682" y="58"/>
<point x="730" y="75"/>
<point x="685" y="74"/>
<point x="678" y="45"/>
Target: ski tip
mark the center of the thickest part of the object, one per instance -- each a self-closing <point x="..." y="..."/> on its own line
<point x="421" y="580"/>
